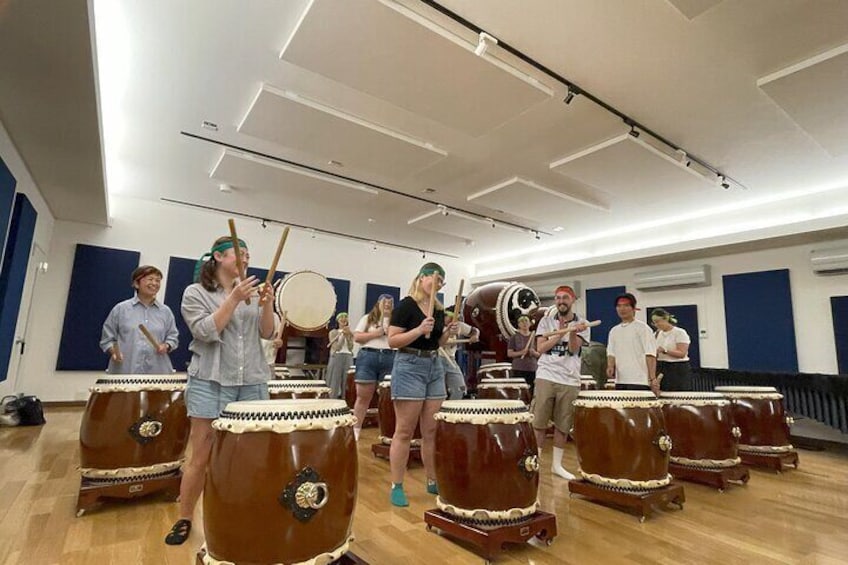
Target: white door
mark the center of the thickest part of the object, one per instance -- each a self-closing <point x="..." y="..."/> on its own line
<point x="20" y="350"/>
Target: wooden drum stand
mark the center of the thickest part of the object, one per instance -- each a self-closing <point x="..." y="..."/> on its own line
<point x="91" y="491"/>
<point x="641" y="500"/>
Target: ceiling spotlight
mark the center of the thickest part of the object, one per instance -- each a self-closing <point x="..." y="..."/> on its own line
<point x="264" y="223"/>
<point x="483" y="43"/>
<point x="443" y="209"/>
<point x="423" y="254"/>
<point x="723" y="182"/>
<point x="572" y="92"/>
<point x="633" y="131"/>
<point x="538" y="236"/>
<point x="371" y="220"/>
<point x="206" y="124"/>
<point x="373" y="246"/>
<point x="313" y="233"/>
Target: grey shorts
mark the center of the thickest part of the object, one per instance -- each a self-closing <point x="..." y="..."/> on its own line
<point x="207" y="399"/>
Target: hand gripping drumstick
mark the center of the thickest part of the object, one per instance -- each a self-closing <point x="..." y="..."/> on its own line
<point x="432" y="302"/>
<point x="568" y="329"/>
<point x="527" y="347"/>
<point x="237" y="250"/>
<point x="149" y="336"/>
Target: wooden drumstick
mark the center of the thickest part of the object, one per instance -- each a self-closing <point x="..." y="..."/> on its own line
<point x="527" y="347"/>
<point x="270" y="278"/>
<point x="458" y="341"/>
<point x="116" y="351"/>
<point x="282" y="325"/>
<point x="149" y="336"/>
<point x="237" y="250"/>
<point x="569" y="329"/>
<point x="432" y="301"/>
<point x="458" y="302"/>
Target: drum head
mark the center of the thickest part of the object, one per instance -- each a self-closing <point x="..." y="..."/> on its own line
<point x="515" y="300"/>
<point x="308" y="299"/>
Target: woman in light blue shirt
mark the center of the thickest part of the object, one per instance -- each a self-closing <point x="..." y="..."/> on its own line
<point x="130" y="352"/>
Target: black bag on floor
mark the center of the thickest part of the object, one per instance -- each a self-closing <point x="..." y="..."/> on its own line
<point x="29" y="409"/>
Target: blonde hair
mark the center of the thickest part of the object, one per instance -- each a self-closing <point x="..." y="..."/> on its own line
<point x="416" y="292"/>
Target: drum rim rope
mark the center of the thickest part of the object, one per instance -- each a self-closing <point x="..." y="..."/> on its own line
<point x="705" y="463"/>
<point x="486" y="515"/>
<point x="300" y="414"/>
<point x="766" y="448"/>
<point x="328" y="557"/>
<point x="626" y="484"/>
<point x="131" y="472"/>
<point x="479" y="412"/>
<point x="124" y="383"/>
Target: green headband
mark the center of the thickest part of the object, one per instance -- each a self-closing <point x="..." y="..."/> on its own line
<point x="340" y="314"/>
<point x="431" y="268"/>
<point x="221" y="247"/>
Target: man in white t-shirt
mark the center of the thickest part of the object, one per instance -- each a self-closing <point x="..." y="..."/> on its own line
<point x="558" y="374"/>
<point x="631" y="350"/>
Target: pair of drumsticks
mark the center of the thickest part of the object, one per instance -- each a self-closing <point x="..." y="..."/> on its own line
<point x="561" y="332"/>
<point x="457" y="305"/>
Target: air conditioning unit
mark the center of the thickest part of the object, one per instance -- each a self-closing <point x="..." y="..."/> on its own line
<point x="695" y="275"/>
<point x="545" y="288"/>
<point x="830" y="261"/>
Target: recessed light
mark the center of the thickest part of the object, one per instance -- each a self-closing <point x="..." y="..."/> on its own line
<point x="335" y="163"/>
<point x="206" y="124"/>
<point x="371" y="220"/>
<point x="429" y="190"/>
<point x="224" y="187"/>
<point x="558" y="229"/>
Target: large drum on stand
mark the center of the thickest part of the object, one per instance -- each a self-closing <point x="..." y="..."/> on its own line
<point x="291" y="388"/>
<point x="281" y="482"/>
<point x="135" y="427"/>
<point x="308" y="299"/>
<point x="494" y="371"/>
<point x="386" y="414"/>
<point x="487" y="463"/>
<point x="759" y="413"/>
<point x="587" y="382"/>
<point x="494" y="309"/>
<point x="701" y="428"/>
<point x="350" y="398"/>
<point x="621" y="439"/>
<point x="504" y="389"/>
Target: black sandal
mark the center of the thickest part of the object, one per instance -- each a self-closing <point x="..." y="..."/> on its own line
<point x="179" y="532"/>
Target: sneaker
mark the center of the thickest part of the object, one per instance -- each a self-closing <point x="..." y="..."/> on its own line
<point x="561" y="472"/>
<point x="398" y="497"/>
<point x="432" y="487"/>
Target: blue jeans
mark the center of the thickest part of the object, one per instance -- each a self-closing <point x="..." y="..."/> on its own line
<point x="207" y="399"/>
<point x="417" y="378"/>
<point x="372" y="365"/>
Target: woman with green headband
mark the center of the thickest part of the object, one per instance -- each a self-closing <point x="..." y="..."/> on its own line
<point x="418" y="376"/>
<point x="341" y="356"/>
<point x="227" y="362"/>
<point x="672" y="352"/>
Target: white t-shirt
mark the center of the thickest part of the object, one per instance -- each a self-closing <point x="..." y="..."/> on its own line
<point x="629" y="344"/>
<point x="381" y="342"/>
<point x="558" y="365"/>
<point x="669" y="340"/>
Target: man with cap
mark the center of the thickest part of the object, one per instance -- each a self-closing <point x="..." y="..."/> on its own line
<point x="631" y="350"/>
<point x="558" y="374"/>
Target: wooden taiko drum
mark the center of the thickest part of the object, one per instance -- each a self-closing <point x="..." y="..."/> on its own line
<point x="701" y="428"/>
<point x="494" y="309"/>
<point x="297" y="389"/>
<point x="134" y="427"/>
<point x="307" y="298"/>
<point x="504" y="389"/>
<point x="281" y="482"/>
<point x="281" y="372"/>
<point x="587" y="382"/>
<point x="621" y="439"/>
<point x="759" y="413"/>
<point x="386" y="414"/>
<point x="487" y="463"/>
<point x="494" y="371"/>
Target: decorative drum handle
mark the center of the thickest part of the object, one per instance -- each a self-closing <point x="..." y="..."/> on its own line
<point x="790" y="420"/>
<point x="663" y="442"/>
<point x="312" y="495"/>
<point x="150" y="428"/>
<point x="529" y="464"/>
<point x="736" y="432"/>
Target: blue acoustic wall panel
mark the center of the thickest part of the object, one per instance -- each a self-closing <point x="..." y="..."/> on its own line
<point x="600" y="305"/>
<point x="373" y="290"/>
<point x="342" y="288"/>
<point x="760" y="324"/>
<point x="13" y="277"/>
<point x="100" y="279"/>
<point x="687" y="318"/>
<point x="180" y="275"/>
<point x="839" y="308"/>
<point x="7" y="197"/>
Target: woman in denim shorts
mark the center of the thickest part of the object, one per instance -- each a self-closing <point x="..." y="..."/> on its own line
<point x="227" y="362"/>
<point x="418" y="377"/>
<point x="375" y="358"/>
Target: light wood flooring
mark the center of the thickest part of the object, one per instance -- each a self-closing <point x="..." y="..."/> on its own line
<point x="800" y="516"/>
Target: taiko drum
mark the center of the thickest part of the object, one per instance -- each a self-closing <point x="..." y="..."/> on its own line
<point x="504" y="389"/>
<point x="297" y="389"/>
<point x="762" y="421"/>
<point x="701" y="428"/>
<point x="386" y="414"/>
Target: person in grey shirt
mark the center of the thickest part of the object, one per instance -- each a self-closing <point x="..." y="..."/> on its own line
<point x="130" y="352"/>
<point x="227" y="362"/>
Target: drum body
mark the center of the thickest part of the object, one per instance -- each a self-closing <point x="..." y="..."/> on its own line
<point x="281" y="482"/>
<point x="759" y="414"/>
<point x="504" y="389"/>
<point x="480" y="444"/>
<point x="621" y="439"/>
<point x="134" y="426"/>
<point x="308" y="299"/>
<point x="386" y="414"/>
<point x="494" y="309"/>
<point x="588" y="383"/>
<point x="701" y="428"/>
<point x="494" y="371"/>
<point x="291" y="388"/>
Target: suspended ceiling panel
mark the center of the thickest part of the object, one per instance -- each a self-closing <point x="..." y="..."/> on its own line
<point x="532" y="201"/>
<point x="291" y="120"/>
<point x="245" y="171"/>
<point x="461" y="225"/>
<point x="812" y="93"/>
<point x="630" y="169"/>
<point x="384" y="52"/>
<point x="693" y="8"/>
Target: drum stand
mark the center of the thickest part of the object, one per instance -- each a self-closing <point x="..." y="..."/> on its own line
<point x="91" y="492"/>
<point x="349" y="558"/>
<point x="381" y="450"/>
<point x="641" y="500"/>
<point x="717" y="477"/>
<point x="490" y="539"/>
<point x="774" y="461"/>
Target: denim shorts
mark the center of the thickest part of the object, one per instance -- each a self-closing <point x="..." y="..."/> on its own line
<point x="372" y="365"/>
<point x="207" y="399"/>
<point x="418" y="378"/>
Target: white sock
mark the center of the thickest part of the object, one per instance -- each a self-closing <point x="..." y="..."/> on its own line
<point x="356" y="432"/>
<point x="556" y="465"/>
<point x="540" y="452"/>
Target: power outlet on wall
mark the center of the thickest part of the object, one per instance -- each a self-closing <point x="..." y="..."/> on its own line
<point x="702" y="333"/>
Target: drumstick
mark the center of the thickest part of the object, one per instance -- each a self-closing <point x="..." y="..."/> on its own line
<point x="527" y="347"/>
<point x="270" y="278"/>
<point x="149" y="336"/>
<point x="432" y="301"/>
<point x="116" y="351"/>
<point x="458" y="302"/>
<point x="568" y="329"/>
<point x="237" y="250"/>
<point x="282" y="325"/>
<point x="456" y="341"/>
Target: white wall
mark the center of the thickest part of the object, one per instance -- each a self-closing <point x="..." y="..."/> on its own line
<point x="160" y="231"/>
<point x="810" y="300"/>
<point x="41" y="240"/>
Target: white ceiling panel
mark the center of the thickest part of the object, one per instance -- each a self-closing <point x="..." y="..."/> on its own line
<point x="461" y="225"/>
<point x="398" y="56"/>
<point x="243" y="170"/>
<point x="292" y="120"/>
<point x="693" y="8"/>
<point x="531" y="201"/>
<point x="629" y="168"/>
<point x="812" y="93"/>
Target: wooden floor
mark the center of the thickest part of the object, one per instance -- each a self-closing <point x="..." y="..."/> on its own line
<point x="797" y="517"/>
